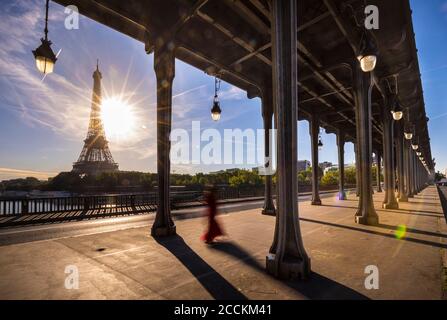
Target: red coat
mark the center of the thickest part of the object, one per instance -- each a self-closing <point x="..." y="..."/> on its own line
<point x="214" y="230"/>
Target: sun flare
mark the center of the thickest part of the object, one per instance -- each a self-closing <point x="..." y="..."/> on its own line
<point x="118" y="118"/>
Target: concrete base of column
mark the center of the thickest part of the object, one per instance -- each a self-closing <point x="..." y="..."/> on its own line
<point x="368" y="221"/>
<point x="269" y="212"/>
<point x="287" y="269"/>
<point x="342" y="196"/>
<point x="403" y="199"/>
<point x="163" y="231"/>
<point x="316" y="202"/>
<point x="390" y="205"/>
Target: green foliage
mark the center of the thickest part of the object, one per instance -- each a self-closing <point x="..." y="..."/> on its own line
<point x="26" y="184"/>
<point x="439" y="176"/>
<point x="330" y="178"/>
<point x="350" y="175"/>
<point x="69" y="181"/>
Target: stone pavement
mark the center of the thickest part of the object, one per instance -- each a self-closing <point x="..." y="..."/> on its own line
<point x="129" y="264"/>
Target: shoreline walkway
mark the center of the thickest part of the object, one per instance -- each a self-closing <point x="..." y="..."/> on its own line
<point x="408" y="248"/>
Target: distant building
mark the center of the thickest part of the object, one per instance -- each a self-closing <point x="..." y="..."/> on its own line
<point x="324" y="165"/>
<point x="335" y="167"/>
<point x="232" y="170"/>
<point x="303" y="165"/>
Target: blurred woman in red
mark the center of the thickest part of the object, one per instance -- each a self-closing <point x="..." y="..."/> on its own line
<point x="214" y="229"/>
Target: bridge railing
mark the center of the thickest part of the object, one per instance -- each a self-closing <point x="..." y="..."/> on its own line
<point x="27" y="205"/>
<point x="14" y="206"/>
<point x="146" y="201"/>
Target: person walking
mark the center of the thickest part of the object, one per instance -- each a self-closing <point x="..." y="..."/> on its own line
<point x="214" y="229"/>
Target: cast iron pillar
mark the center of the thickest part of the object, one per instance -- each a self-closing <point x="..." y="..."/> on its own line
<point x="314" y="128"/>
<point x="418" y="186"/>
<point x="267" y="114"/>
<point x="415" y="183"/>
<point x="164" y="65"/>
<point x="390" y="201"/>
<point x="357" y="171"/>
<point x="366" y="214"/>
<point x="406" y="167"/>
<point x="379" y="170"/>
<point x="287" y="258"/>
<point x="400" y="147"/>
<point x="410" y="180"/>
<point x="341" y="164"/>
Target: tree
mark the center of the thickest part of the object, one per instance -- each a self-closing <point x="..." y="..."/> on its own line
<point x="439" y="176"/>
<point x="350" y="176"/>
<point x="330" y="178"/>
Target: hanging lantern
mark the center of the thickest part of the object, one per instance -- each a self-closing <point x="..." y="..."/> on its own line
<point x="415" y="144"/>
<point x="44" y="55"/>
<point x="367" y="54"/>
<point x="408" y="135"/>
<point x="396" y="109"/>
<point x="215" y="110"/>
<point x="320" y="143"/>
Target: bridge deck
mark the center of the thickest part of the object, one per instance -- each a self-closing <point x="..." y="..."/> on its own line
<point x="128" y="263"/>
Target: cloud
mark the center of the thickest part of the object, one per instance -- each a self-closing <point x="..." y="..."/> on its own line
<point x="60" y="103"/>
<point x="10" y="173"/>
<point x="53" y="103"/>
<point x="233" y="93"/>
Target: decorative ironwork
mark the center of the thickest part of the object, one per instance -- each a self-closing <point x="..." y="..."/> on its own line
<point x="95" y="156"/>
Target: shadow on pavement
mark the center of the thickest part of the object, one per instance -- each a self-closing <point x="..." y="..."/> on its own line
<point x="388" y="235"/>
<point x="316" y="287"/>
<point x="217" y="286"/>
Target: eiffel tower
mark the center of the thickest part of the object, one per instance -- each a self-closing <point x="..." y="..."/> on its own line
<point x="95" y="156"/>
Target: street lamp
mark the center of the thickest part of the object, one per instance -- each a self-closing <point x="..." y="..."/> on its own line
<point x="367" y="54"/>
<point x="397" y="110"/>
<point x="320" y="143"/>
<point x="419" y="154"/>
<point x="215" y="110"/>
<point x="408" y="135"/>
<point x="44" y="55"/>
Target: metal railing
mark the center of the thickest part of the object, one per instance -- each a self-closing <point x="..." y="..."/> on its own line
<point x="26" y="205"/>
<point x="14" y="206"/>
<point x="142" y="202"/>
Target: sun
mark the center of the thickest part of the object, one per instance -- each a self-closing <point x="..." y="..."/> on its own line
<point x="118" y="118"/>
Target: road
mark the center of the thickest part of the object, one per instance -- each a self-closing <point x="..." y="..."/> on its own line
<point x="23" y="234"/>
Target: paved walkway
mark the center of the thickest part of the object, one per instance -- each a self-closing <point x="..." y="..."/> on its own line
<point x="129" y="264"/>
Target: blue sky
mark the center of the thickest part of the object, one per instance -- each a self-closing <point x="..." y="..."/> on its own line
<point x="43" y="123"/>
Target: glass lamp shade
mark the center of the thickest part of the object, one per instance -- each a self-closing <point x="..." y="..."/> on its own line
<point x="215" y="110"/>
<point x="415" y="146"/>
<point x="45" y="57"/>
<point x="368" y="52"/>
<point x="408" y="135"/>
<point x="418" y="154"/>
<point x="397" y="115"/>
<point x="215" y="116"/>
<point x="44" y="65"/>
<point x="367" y="63"/>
